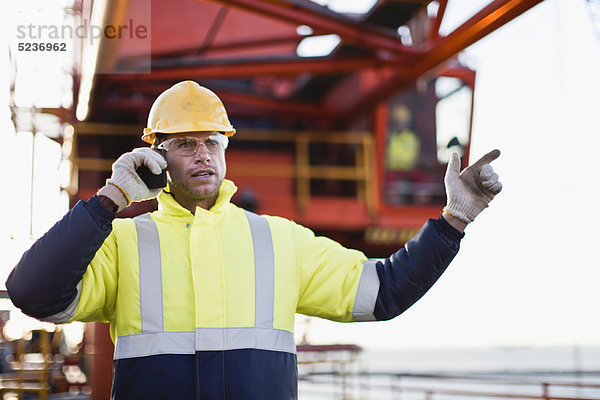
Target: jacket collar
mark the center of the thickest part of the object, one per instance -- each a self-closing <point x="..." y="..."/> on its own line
<point x="168" y="205"/>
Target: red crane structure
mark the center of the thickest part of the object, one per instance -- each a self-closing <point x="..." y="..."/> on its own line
<point x="346" y="143"/>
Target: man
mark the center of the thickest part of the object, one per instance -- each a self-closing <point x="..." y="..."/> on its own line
<point x="201" y="294"/>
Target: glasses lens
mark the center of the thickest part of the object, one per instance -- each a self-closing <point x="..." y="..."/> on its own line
<point x="184" y="145"/>
<point x="212" y="145"/>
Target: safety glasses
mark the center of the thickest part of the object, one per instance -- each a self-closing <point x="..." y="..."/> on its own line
<point x="189" y="145"/>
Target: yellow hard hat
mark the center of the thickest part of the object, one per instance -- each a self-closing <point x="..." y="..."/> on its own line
<point x="187" y="107"/>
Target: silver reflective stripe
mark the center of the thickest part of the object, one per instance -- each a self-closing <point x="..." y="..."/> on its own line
<point x="150" y="344"/>
<point x="204" y="339"/>
<point x="245" y="338"/>
<point x="67" y="313"/>
<point x="151" y="302"/>
<point x="366" y="295"/>
<point x="264" y="270"/>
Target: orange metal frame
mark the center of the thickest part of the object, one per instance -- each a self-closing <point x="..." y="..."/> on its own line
<point x="415" y="214"/>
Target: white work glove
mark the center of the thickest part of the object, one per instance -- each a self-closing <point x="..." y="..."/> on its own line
<point x="128" y="181"/>
<point x="470" y="191"/>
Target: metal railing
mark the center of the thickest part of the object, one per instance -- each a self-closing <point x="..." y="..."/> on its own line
<point x="380" y="386"/>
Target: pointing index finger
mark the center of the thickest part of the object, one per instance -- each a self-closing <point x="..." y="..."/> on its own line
<point x="486" y="159"/>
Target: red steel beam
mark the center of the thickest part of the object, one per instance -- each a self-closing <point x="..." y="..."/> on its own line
<point x="129" y="62"/>
<point x="270" y="67"/>
<point x="273" y="105"/>
<point x="463" y="73"/>
<point x="230" y="46"/>
<point x="261" y="105"/>
<point x="490" y="18"/>
<point x="322" y="20"/>
<point x="435" y="27"/>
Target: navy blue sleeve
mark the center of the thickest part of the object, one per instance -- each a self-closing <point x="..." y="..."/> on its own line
<point x="44" y="281"/>
<point x="410" y="272"/>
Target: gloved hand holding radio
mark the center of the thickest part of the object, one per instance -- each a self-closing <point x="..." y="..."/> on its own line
<point x="470" y="191"/>
<point x="126" y="180"/>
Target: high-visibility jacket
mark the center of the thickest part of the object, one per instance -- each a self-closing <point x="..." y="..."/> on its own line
<point x="202" y="306"/>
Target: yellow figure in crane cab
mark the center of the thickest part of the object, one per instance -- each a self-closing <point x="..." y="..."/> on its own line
<point x="201" y="295"/>
<point x="403" y="151"/>
<point x="404" y="146"/>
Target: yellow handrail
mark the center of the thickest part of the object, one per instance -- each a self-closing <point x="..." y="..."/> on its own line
<point x="361" y="172"/>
